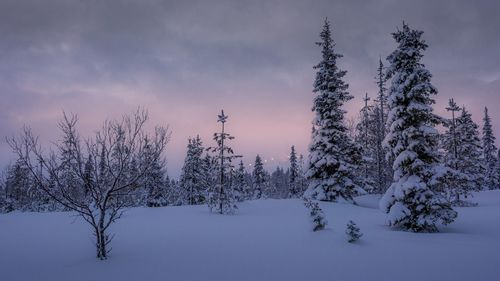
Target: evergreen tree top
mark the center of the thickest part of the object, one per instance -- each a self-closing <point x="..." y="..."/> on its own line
<point x="411" y="82"/>
<point x="293" y="154"/>
<point x="380" y="80"/>
<point x="487" y="129"/>
<point x="452" y="105"/>
<point x="258" y="161"/>
<point x="488" y="138"/>
<point x="327" y="42"/>
<point x="329" y="76"/>
<point x="241" y="167"/>
<point x="409" y="51"/>
<point x="222" y="117"/>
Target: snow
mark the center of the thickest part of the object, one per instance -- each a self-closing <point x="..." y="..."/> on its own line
<point x="265" y="240"/>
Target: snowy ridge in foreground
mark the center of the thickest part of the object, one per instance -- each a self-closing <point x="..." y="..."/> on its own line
<point x="265" y="240"/>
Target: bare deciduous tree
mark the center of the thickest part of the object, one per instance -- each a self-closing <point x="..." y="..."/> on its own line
<point x="100" y="167"/>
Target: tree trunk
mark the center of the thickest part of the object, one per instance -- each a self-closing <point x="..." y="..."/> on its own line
<point x="101" y="237"/>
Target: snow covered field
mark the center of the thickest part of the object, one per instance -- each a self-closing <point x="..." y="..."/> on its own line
<point x="266" y="240"/>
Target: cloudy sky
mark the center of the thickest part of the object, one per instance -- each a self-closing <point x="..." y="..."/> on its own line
<point x="185" y="60"/>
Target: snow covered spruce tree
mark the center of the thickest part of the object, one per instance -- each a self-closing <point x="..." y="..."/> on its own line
<point x="382" y="175"/>
<point x="366" y="137"/>
<point x="333" y="156"/>
<point x="410" y="202"/>
<point x="221" y="197"/>
<point x="370" y="133"/>
<point x="451" y="135"/>
<point x="260" y="179"/>
<point x="302" y="181"/>
<point x="193" y="177"/>
<point x="463" y="154"/>
<point x="293" y="173"/>
<point x="353" y="232"/>
<point x="469" y="150"/>
<point x="491" y="179"/>
<point x="455" y="180"/>
<point x="280" y="184"/>
<point x="296" y="175"/>
<point x="241" y="187"/>
<point x="380" y="113"/>
<point x="107" y="181"/>
<point x="380" y="80"/>
<point x="154" y="179"/>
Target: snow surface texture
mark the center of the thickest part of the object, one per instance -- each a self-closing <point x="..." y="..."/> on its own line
<point x="265" y="240"/>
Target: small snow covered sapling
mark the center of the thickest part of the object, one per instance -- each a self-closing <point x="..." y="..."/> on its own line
<point x="317" y="216"/>
<point x="352" y="231"/>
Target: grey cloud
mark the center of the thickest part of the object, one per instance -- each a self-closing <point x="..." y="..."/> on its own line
<point x="254" y="57"/>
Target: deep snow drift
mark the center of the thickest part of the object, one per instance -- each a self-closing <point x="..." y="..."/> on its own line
<point x="265" y="240"/>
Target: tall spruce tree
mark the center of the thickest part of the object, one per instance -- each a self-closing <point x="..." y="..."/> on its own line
<point x="294" y="175"/>
<point x="88" y="176"/>
<point x="333" y="155"/>
<point x="449" y="158"/>
<point x="469" y="151"/>
<point x="457" y="183"/>
<point x="452" y="134"/>
<point x="366" y="137"/>
<point x="154" y="178"/>
<point x="380" y="112"/>
<point x="381" y="79"/>
<point x="294" y="172"/>
<point x="211" y="170"/>
<point x="303" y="182"/>
<point x="279" y="183"/>
<point x="68" y="166"/>
<point x="241" y="188"/>
<point x="221" y="197"/>
<point x="491" y="179"/>
<point x="410" y="202"/>
<point x="139" y="195"/>
<point x="383" y="171"/>
<point x="193" y="177"/>
<point x="260" y="179"/>
<point x="462" y="148"/>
